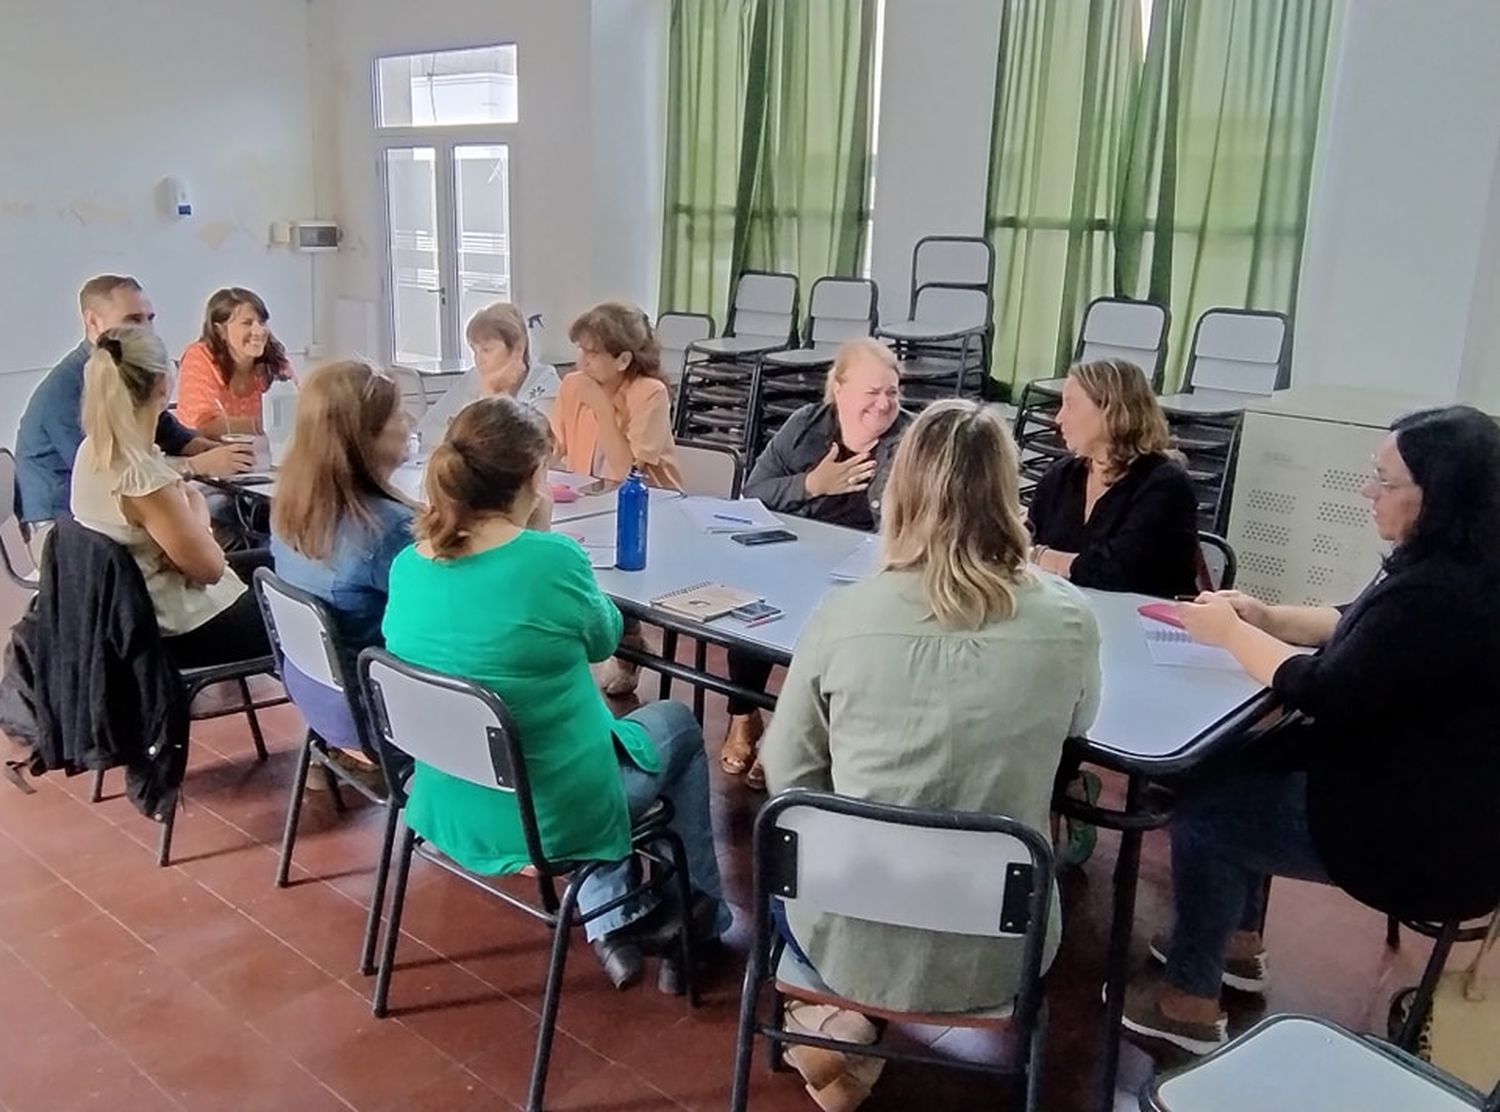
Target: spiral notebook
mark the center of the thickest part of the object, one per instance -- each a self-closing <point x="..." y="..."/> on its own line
<point x="704" y="601"/>
<point x="1175" y="648"/>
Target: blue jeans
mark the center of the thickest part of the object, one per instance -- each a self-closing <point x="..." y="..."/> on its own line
<point x="682" y="782"/>
<point x="1226" y="839"/>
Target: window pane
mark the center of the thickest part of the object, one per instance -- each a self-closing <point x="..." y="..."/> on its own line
<point x="416" y="293"/>
<point x="481" y="176"/>
<point x="475" y="86"/>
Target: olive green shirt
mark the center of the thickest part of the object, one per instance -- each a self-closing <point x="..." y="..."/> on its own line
<point x="882" y="703"/>
<point x="524" y="620"/>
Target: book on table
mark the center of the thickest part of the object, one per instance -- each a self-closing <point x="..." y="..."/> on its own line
<point x="728" y="515"/>
<point x="704" y="601"/>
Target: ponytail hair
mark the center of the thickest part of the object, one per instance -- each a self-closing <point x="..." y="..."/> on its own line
<point x="121" y="377"/>
<point x="493" y="449"/>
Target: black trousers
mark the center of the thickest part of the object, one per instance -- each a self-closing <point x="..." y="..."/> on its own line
<point x="238" y="633"/>
<point x="747" y="671"/>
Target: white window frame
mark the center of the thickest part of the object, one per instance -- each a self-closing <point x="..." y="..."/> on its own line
<point x="444" y="139"/>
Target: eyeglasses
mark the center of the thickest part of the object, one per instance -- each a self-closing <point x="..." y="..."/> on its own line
<point x="1386" y="486"/>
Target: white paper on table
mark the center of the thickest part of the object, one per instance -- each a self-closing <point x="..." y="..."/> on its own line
<point x="859" y="564"/>
<point x="1175" y="648"/>
<point x="728" y="515"/>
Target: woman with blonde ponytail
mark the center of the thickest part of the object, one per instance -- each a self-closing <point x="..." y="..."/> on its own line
<point x="123" y="487"/>
<point x="948" y="681"/>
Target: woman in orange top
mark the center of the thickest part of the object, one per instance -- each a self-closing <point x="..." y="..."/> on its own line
<point x="613" y="413"/>
<point x="228" y="368"/>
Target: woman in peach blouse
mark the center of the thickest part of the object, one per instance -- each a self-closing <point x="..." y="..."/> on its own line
<point x="225" y="372"/>
<point x="613" y="413"/>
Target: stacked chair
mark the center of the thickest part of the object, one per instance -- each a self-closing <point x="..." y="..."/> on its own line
<point x="713" y="398"/>
<point x="838" y="309"/>
<point x="675" y="333"/>
<point x="1238" y="355"/>
<point x="944" y="343"/>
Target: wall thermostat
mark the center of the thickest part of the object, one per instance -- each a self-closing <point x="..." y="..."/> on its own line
<point x="315" y="235"/>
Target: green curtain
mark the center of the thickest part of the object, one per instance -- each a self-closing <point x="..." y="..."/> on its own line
<point x="1207" y="139"/>
<point x="1066" y="78"/>
<point x="806" y="171"/>
<point x="708" y="70"/>
<point x="1221" y="158"/>
<point x="768" y="143"/>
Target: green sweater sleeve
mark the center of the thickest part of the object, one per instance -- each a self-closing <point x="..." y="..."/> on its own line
<point x="599" y="621"/>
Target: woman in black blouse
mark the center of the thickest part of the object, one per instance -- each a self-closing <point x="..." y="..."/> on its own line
<point x="1396" y="781"/>
<point x="1119" y="513"/>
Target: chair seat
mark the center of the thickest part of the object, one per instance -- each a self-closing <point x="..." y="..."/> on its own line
<point x="1046" y="387"/>
<point x="800" y="358"/>
<point x="1296" y="1062"/>
<point x="718" y="395"/>
<point x="719" y="418"/>
<point x="233" y="670"/>
<point x="736" y="346"/>
<point x="718" y="372"/>
<point x="919" y="331"/>
<point x="797" y="979"/>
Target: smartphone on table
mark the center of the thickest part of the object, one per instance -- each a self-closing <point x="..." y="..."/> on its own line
<point x="763" y="536"/>
<point x="756" y="613"/>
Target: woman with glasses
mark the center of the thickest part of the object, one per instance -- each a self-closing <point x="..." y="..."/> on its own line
<point x="1389" y="786"/>
<point x="336" y="521"/>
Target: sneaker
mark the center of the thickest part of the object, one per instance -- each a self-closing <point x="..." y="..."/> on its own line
<point x="1143" y="1015"/>
<point x="1241" y="974"/>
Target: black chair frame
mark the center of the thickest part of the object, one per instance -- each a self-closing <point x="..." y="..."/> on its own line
<point x="775" y="864"/>
<point x="1284" y="357"/>
<point x="314" y="751"/>
<point x="558" y="912"/>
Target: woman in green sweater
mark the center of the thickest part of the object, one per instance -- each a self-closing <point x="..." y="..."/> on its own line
<point x="488" y="593"/>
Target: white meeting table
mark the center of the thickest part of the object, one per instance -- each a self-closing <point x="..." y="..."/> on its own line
<point x="1153" y="721"/>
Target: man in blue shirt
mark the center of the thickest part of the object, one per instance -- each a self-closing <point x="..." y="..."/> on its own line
<point x="51" y="428"/>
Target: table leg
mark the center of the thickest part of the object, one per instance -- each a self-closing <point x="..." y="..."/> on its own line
<point x="1127" y="873"/>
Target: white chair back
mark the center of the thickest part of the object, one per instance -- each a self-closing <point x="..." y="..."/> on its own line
<point x="1133" y="331"/>
<point x="765" y="307"/>
<point x="959" y="881"/>
<point x="840" y="309"/>
<point x="954" y="261"/>
<point x="674" y="332"/>
<point x="301" y="632"/>
<point x="413" y="391"/>
<point x="1291" y="1061"/>
<point x="439" y="720"/>
<point x="1237" y="351"/>
<point x="709" y="470"/>
<point x="944" y="309"/>
<point x="13" y="550"/>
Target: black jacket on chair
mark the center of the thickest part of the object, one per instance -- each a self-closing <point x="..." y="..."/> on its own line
<point x="88" y="683"/>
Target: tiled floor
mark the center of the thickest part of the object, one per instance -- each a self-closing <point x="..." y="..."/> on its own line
<point x="201" y="986"/>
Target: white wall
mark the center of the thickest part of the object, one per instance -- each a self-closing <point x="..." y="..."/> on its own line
<point x="937" y="98"/>
<point x="98" y="103"/>
<point x="628" y="84"/>
<point x="1404" y="187"/>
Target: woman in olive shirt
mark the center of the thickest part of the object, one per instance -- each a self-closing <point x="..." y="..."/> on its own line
<point x="950" y="680"/>
<point x="489" y="594"/>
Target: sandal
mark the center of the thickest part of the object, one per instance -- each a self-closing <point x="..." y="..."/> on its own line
<point x="737" y="756"/>
<point x="755" y="779"/>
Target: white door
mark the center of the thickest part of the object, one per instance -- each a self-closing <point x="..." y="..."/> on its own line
<point x="448" y="242"/>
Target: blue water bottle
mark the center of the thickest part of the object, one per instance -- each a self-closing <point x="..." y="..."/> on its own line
<point x="630" y="522"/>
